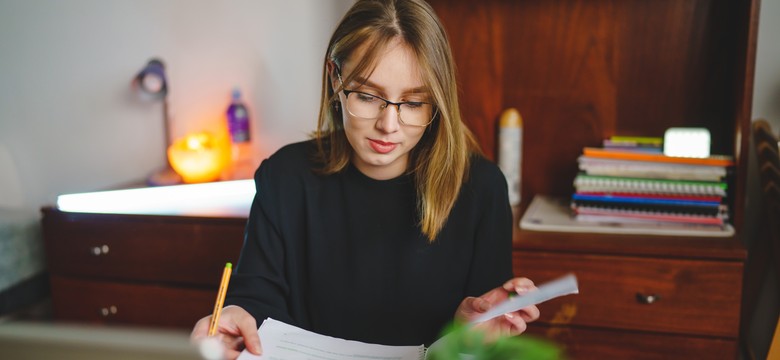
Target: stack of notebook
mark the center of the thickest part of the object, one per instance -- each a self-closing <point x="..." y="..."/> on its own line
<point x="636" y="183"/>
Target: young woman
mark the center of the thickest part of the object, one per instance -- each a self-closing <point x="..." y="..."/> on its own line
<point x="389" y="223"/>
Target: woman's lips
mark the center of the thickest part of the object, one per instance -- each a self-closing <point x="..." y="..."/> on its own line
<point x="381" y="146"/>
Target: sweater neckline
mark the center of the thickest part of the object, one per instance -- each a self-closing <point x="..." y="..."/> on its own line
<point x="354" y="172"/>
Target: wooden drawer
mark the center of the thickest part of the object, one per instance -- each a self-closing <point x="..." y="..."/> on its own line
<point x="693" y="296"/>
<point x="117" y="303"/>
<point x="140" y="248"/>
<point x="581" y="343"/>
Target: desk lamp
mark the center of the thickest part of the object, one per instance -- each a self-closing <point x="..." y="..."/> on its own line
<point x="152" y="85"/>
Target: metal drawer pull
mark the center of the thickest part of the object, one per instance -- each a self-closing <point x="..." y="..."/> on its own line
<point x="100" y="250"/>
<point x="647" y="299"/>
<point x="106" y="311"/>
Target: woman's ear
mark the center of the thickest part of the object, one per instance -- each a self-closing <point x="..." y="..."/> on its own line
<point x="333" y="75"/>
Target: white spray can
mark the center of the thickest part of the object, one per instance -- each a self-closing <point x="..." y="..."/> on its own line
<point x="510" y="151"/>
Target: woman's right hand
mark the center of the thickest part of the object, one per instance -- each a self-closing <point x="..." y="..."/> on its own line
<point x="237" y="329"/>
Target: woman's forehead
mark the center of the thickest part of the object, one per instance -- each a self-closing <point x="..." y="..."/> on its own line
<point x="393" y="64"/>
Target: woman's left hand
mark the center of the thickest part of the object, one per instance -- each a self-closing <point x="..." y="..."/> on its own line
<point x="512" y="323"/>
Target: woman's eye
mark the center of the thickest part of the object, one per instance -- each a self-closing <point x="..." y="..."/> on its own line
<point x="413" y="105"/>
<point x="365" y="97"/>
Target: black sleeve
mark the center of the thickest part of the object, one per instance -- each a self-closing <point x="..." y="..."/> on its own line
<point x="492" y="261"/>
<point x="259" y="283"/>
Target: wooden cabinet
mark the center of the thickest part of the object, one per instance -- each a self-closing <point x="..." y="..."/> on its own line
<point x="137" y="269"/>
<point x="580" y="71"/>
<point x="662" y="297"/>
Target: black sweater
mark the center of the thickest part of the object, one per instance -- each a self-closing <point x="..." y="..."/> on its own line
<point x="343" y="254"/>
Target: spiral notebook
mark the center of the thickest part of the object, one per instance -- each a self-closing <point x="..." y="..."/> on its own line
<point x="650" y="169"/>
<point x="592" y="183"/>
<point x="554" y="214"/>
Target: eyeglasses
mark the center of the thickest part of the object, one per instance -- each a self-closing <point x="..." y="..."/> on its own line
<point x="369" y="107"/>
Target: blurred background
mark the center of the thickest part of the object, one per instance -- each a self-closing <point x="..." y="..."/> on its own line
<point x="70" y="121"/>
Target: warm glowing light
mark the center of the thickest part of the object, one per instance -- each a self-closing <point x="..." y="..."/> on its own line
<point x="199" y="157"/>
<point x="222" y="199"/>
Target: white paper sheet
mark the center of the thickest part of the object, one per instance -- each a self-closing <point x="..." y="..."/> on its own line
<point x="284" y="341"/>
<point x="563" y="286"/>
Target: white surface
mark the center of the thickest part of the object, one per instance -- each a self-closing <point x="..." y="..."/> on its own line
<point x="223" y="199"/>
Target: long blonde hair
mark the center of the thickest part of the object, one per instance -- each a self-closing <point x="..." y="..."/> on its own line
<point x="440" y="160"/>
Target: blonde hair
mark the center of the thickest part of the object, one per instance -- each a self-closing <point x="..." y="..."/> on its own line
<point x="440" y="160"/>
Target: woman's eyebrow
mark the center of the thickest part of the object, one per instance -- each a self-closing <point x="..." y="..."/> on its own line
<point x="366" y="82"/>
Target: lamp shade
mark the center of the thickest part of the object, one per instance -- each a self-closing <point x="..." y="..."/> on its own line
<point x="151" y="79"/>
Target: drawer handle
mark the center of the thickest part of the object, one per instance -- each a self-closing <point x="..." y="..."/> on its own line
<point x="99" y="250"/>
<point x="647" y="299"/>
<point x="107" y="311"/>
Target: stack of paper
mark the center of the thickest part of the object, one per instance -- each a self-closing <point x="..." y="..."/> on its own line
<point x="640" y="187"/>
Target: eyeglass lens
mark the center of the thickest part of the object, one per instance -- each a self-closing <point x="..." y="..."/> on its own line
<point x="368" y="106"/>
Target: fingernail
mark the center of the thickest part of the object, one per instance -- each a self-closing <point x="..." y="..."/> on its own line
<point x="521" y="290"/>
<point x="509" y="315"/>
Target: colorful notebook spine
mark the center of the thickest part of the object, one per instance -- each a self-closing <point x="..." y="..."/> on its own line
<point x="641" y="200"/>
<point x="714" y="160"/>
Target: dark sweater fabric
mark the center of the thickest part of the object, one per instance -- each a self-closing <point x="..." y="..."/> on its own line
<point x="343" y="254"/>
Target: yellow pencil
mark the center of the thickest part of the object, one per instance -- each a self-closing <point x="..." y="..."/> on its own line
<point x="220" y="299"/>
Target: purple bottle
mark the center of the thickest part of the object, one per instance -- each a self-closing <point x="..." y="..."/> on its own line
<point x="238" y="119"/>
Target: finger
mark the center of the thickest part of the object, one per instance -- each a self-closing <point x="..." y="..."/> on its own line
<point x="519" y="283"/>
<point x="519" y="326"/>
<point x="495" y="296"/>
<point x="248" y="328"/>
<point x="507" y="326"/>
<point x="201" y="328"/>
<point x="530" y="313"/>
<point x="475" y="305"/>
<point x="233" y="342"/>
<point x="515" y="323"/>
<point x="481" y="305"/>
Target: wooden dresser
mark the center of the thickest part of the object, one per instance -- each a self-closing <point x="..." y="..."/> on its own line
<point x="147" y="270"/>
<point x="580" y="71"/>
<point x="641" y="297"/>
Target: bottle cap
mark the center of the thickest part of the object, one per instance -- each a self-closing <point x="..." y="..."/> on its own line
<point x="510" y="118"/>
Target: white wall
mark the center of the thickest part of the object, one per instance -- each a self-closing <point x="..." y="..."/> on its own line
<point x="70" y="119"/>
<point x="766" y="89"/>
<point x="766" y="105"/>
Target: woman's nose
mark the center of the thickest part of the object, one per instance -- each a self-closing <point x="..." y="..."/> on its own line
<point x="389" y="119"/>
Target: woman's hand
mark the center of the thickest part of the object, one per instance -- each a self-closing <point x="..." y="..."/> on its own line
<point x="511" y="323"/>
<point x="237" y="330"/>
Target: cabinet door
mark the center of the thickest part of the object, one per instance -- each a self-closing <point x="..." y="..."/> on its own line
<point x="118" y="303"/>
<point x="583" y="343"/>
<point x="695" y="297"/>
<point x="142" y="248"/>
